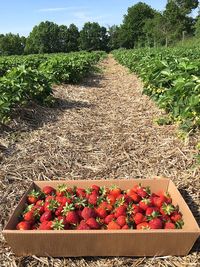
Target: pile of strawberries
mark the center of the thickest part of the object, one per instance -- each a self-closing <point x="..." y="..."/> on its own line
<point x="99" y="208"/>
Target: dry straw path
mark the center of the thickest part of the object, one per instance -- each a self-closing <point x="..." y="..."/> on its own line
<point x="102" y="128"/>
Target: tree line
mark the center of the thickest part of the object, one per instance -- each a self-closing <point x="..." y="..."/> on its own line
<point x="141" y="26"/>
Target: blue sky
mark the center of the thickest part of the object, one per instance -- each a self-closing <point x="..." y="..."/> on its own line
<point x="19" y="16"/>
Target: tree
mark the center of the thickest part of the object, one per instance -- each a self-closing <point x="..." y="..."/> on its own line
<point x="131" y="32"/>
<point x="63" y="38"/>
<point x="73" y="38"/>
<point x="197" y="27"/>
<point x="114" y="37"/>
<point x="186" y="6"/>
<point x="12" y="44"/>
<point x="43" y="38"/>
<point x="93" y="37"/>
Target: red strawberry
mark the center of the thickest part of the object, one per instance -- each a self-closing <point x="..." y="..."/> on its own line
<point x="113" y="226"/>
<point x="145" y="203"/>
<point x="109" y="218"/>
<point x="121" y="210"/>
<point x="135" y="209"/>
<point x="63" y="200"/>
<point x="46" y="216"/>
<point x="125" y="227"/>
<point x="142" y="192"/>
<point x="29" y="216"/>
<point x="33" y="196"/>
<point x="51" y="205"/>
<point x="158" y="201"/>
<point x="87" y="213"/>
<point x="58" y="224"/>
<point x="155" y="223"/>
<point x="152" y="211"/>
<point x="169" y="225"/>
<point x="61" y="190"/>
<point x="46" y="225"/>
<point x="135" y="197"/>
<point x="72" y="217"/>
<point x="143" y="226"/>
<point x="49" y="198"/>
<point x="63" y="219"/>
<point x="138" y="218"/>
<point x="167" y="209"/>
<point x="111" y="199"/>
<point x="115" y="191"/>
<point x="23" y="226"/>
<point x="95" y="188"/>
<point x="121" y="220"/>
<point x="58" y="211"/>
<point x="176" y="216"/>
<point x="83" y="226"/>
<point x="101" y="213"/>
<point x="80" y="192"/>
<point x="93" y="199"/>
<point x="48" y="190"/>
<point x="92" y="223"/>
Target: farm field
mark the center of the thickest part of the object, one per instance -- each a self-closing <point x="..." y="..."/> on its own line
<point x="102" y="127"/>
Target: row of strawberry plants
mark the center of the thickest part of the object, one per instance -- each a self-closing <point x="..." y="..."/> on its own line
<point x="30" y="78"/>
<point x="171" y="77"/>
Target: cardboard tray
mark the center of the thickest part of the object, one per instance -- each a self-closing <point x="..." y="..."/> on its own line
<point x="60" y="243"/>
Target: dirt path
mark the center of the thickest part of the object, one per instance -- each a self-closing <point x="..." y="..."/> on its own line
<point x="103" y="128"/>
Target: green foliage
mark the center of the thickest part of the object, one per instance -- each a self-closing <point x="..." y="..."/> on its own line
<point x="171" y="78"/>
<point x="30" y="78"/>
<point x="93" y="37"/>
<point x="12" y="44"/>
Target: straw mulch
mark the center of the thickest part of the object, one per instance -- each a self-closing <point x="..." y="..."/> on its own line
<point x="103" y="128"/>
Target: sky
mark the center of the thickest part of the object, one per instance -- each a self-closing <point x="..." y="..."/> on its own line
<point x="20" y="16"/>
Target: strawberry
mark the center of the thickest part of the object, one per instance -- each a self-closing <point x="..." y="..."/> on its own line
<point x="170" y="225"/>
<point x="51" y="205"/>
<point x="101" y="213"/>
<point x="142" y="192"/>
<point x="145" y="203"/>
<point x="133" y="209"/>
<point x="80" y="192"/>
<point x="119" y="211"/>
<point x="135" y="197"/>
<point x="158" y="201"/>
<point x="49" y="198"/>
<point x="95" y="188"/>
<point x="63" y="218"/>
<point x="48" y="190"/>
<point x="125" y="227"/>
<point x="87" y="213"/>
<point x="83" y="226"/>
<point x="23" y="225"/>
<point x="46" y="216"/>
<point x="138" y="218"/>
<point x="33" y="196"/>
<point x="176" y="216"/>
<point x="155" y="223"/>
<point x="63" y="200"/>
<point x="72" y="217"/>
<point x="113" y="226"/>
<point x="121" y="220"/>
<point x="115" y="191"/>
<point x="58" y="224"/>
<point x="167" y="209"/>
<point x="61" y="190"/>
<point x="58" y="211"/>
<point x="143" y="226"/>
<point x="92" y="223"/>
<point x="79" y="203"/>
<point x="29" y="216"/>
<point x="45" y="225"/>
<point x="109" y="218"/>
<point x="93" y="199"/>
<point x="152" y="211"/>
<point x="111" y="199"/>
